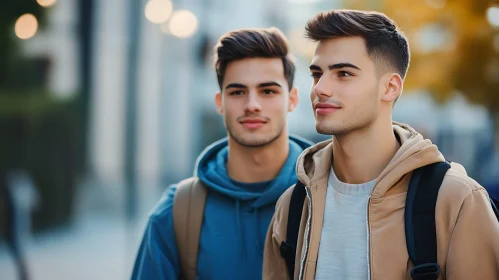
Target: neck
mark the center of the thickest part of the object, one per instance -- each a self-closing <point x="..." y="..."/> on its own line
<point x="259" y="164"/>
<point x="361" y="156"/>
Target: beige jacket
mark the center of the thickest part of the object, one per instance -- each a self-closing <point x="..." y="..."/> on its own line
<point x="467" y="229"/>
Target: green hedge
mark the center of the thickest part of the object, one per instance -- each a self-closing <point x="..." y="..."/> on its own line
<point x="43" y="135"/>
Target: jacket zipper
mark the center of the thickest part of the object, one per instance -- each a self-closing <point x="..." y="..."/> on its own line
<point x="307" y="233"/>
<point x="368" y="241"/>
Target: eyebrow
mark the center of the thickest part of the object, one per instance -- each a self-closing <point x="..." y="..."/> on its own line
<point x="342" y="65"/>
<point x="334" y="66"/>
<point x="269" y="84"/>
<point x="235" y="86"/>
<point x="315" y="67"/>
<point x="266" y="84"/>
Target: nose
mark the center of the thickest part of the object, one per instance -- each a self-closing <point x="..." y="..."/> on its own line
<point x="322" y="88"/>
<point x="252" y="103"/>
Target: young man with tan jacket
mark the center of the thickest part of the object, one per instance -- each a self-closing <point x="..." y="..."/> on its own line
<point x="352" y="222"/>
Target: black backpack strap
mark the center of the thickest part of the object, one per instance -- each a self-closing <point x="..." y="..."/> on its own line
<point x="495" y="206"/>
<point x="288" y="247"/>
<point x="420" y="228"/>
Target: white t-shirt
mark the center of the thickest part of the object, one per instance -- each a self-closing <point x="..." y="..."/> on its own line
<point x="343" y="250"/>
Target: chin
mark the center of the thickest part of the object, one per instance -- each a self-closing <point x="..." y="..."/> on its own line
<point x="323" y="131"/>
<point x="255" y="141"/>
<point x="331" y="129"/>
<point x="324" y="127"/>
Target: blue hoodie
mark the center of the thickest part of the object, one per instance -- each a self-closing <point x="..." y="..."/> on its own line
<point x="236" y="219"/>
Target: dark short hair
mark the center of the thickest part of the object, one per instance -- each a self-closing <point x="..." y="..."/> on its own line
<point x="253" y="43"/>
<point x="385" y="43"/>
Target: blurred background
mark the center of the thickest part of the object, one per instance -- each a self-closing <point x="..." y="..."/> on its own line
<point x="103" y="104"/>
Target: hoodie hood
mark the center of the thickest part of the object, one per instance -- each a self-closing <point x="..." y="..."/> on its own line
<point x="211" y="169"/>
<point x="414" y="152"/>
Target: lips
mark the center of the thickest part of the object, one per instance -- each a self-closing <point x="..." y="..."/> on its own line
<point x="253" y="123"/>
<point x="326" y="108"/>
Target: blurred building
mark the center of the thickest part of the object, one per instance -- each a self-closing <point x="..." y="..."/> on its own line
<point x="58" y="42"/>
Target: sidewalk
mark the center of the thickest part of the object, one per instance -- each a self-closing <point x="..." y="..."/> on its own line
<point x="99" y="245"/>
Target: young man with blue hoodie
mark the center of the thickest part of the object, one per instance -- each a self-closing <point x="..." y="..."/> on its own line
<point x="244" y="174"/>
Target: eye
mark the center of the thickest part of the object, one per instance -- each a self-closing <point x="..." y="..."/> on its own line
<point x="237" y="92"/>
<point x="268" y="91"/>
<point x="344" y="74"/>
<point x="316" y="75"/>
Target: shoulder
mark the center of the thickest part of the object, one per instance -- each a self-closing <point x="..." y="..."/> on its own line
<point x="457" y="186"/>
<point x="459" y="182"/>
<point x="164" y="207"/>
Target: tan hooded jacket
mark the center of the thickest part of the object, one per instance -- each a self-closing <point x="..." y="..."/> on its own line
<point x="467" y="229"/>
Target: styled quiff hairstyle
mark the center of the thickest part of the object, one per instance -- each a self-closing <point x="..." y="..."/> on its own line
<point x="385" y="43"/>
<point x="253" y="43"/>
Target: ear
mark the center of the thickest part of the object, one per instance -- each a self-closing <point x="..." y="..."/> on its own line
<point x="293" y="99"/>
<point x="393" y="86"/>
<point x="218" y="102"/>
